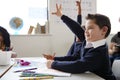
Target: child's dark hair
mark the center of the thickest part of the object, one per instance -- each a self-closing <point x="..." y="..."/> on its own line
<point x="101" y="21"/>
<point x="6" y="37"/>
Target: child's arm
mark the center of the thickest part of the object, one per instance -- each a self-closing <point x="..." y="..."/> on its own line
<point x="67" y="58"/>
<point x="78" y="4"/>
<point x="91" y="62"/>
<point x="79" y="17"/>
<point x="74" y="27"/>
<point x="64" y="58"/>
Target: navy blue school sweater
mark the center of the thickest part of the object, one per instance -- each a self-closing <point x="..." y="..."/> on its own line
<point x="75" y="48"/>
<point x="95" y="60"/>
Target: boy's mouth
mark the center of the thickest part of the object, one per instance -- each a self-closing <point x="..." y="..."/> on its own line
<point x="87" y="35"/>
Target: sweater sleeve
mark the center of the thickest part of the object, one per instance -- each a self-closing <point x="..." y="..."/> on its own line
<point x="66" y="58"/>
<point x="74" y="27"/>
<point x="79" y="19"/>
<point x="89" y="63"/>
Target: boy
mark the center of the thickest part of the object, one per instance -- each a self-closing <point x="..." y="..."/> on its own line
<point x="94" y="50"/>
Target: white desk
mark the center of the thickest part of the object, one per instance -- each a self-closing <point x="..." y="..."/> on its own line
<point x="84" y="76"/>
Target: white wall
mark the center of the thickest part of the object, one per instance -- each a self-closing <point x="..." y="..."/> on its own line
<point x="36" y="45"/>
<point x="29" y="45"/>
<point x="62" y="38"/>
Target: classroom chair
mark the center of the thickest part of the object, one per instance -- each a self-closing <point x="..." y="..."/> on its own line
<point x="116" y="69"/>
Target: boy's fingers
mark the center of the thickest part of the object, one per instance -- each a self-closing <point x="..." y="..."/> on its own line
<point x="44" y="55"/>
<point x="60" y="7"/>
<point x="57" y="7"/>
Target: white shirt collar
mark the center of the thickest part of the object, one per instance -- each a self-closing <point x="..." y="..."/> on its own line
<point x="98" y="43"/>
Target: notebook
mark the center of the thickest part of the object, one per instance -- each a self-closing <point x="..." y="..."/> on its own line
<point x="53" y="72"/>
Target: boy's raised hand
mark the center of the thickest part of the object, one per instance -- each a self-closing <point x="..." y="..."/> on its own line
<point x="78" y="3"/>
<point x="49" y="57"/>
<point x="58" y="11"/>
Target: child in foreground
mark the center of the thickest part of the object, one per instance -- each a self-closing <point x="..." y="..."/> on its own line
<point x="94" y="50"/>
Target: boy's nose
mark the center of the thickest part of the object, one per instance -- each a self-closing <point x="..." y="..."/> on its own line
<point x="86" y="31"/>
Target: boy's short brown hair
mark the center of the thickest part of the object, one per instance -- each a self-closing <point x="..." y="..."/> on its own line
<point x="101" y="21"/>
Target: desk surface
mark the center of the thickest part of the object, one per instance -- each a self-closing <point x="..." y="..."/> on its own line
<point x="4" y="69"/>
<point x="10" y="75"/>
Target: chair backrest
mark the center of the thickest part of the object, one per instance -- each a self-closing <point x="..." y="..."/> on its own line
<point x="116" y="68"/>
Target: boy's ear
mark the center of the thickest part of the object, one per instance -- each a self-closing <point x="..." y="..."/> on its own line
<point x="104" y="29"/>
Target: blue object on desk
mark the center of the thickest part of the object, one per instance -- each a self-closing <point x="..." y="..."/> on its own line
<point x="25" y="70"/>
<point x="28" y="71"/>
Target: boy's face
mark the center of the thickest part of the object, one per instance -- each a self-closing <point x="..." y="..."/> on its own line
<point x="93" y="32"/>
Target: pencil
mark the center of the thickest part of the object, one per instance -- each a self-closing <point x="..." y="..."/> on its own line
<point x="36" y="78"/>
<point x="24" y="70"/>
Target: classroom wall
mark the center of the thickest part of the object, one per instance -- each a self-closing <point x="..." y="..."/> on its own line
<point x="31" y="45"/>
<point x="62" y="38"/>
<point x="58" y="41"/>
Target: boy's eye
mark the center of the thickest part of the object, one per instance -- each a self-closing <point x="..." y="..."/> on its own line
<point x="89" y="28"/>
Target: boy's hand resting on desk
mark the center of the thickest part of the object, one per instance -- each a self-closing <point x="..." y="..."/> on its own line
<point x="49" y="57"/>
<point x="49" y="63"/>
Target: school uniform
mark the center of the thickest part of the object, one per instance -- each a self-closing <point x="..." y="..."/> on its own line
<point x="75" y="48"/>
<point x="94" y="58"/>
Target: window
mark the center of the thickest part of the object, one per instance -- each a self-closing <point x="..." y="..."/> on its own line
<point x="18" y="15"/>
<point x="111" y="9"/>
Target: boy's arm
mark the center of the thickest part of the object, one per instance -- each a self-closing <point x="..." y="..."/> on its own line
<point x="66" y="58"/>
<point x="79" y="17"/>
<point x="89" y="63"/>
<point x="74" y="27"/>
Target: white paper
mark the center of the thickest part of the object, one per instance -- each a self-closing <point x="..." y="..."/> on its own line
<point x="53" y="72"/>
